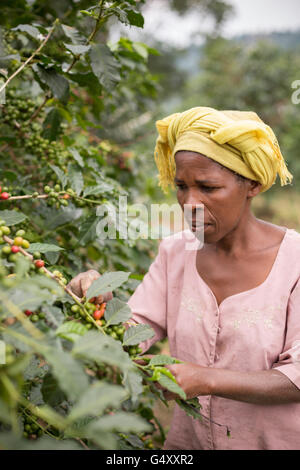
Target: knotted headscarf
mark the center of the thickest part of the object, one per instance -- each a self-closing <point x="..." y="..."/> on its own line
<point x="238" y="140"/>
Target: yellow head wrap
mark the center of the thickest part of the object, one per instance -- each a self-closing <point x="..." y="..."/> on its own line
<point x="238" y="140"/>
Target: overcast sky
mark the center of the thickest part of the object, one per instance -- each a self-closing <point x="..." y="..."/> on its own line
<point x="251" y="16"/>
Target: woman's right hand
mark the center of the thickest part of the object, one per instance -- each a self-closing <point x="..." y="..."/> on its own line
<point x="79" y="286"/>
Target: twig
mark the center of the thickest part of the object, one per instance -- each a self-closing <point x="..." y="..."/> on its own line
<point x="91" y="36"/>
<point x="82" y="443"/>
<point x="31" y="57"/>
<point x="37" y="111"/>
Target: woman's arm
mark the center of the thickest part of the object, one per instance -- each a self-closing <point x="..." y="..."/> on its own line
<point x="266" y="387"/>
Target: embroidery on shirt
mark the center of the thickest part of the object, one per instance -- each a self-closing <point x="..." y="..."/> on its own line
<point x="251" y="316"/>
<point x="192" y="304"/>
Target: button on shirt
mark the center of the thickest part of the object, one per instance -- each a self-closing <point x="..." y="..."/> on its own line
<point x="258" y="329"/>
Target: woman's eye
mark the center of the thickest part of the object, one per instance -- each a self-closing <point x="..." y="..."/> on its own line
<point x="208" y="188"/>
<point x="180" y="186"/>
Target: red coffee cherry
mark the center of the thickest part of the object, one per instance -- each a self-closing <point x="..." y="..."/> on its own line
<point x="39" y="263"/>
<point x="15" y="249"/>
<point x="4" y="195"/>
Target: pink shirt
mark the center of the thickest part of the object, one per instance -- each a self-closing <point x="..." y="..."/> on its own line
<point x="258" y="329"/>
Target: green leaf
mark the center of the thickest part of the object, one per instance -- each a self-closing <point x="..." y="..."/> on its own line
<point x="98" y="189"/>
<point x="105" y="66"/>
<point x="73" y="34"/>
<point x="96" y="399"/>
<point x="63" y="217"/>
<point x="77" y="157"/>
<point x="30" y="296"/>
<point x="43" y="247"/>
<point x="172" y="386"/>
<point x="137" y="334"/>
<point x="100" y="348"/>
<point x="51" y="124"/>
<point x="12" y="217"/>
<point x="120" y="422"/>
<point x="75" y="178"/>
<point x="103" y="440"/>
<point x="57" y="83"/>
<point x="22" y="266"/>
<point x="51" y="392"/>
<point x="77" y="49"/>
<point x="54" y="315"/>
<point x="108" y="282"/>
<point x="63" y="178"/>
<point x="27" y="28"/>
<point x="191" y="408"/>
<point x="162" y="359"/>
<point x="135" y="18"/>
<point x="141" y="49"/>
<point x="52" y="257"/>
<point x="116" y="312"/>
<point x="133" y="382"/>
<point x="68" y="372"/>
<point x="87" y="231"/>
<point x="70" y="330"/>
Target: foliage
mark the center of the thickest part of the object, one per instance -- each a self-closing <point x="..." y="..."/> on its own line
<point x="70" y="379"/>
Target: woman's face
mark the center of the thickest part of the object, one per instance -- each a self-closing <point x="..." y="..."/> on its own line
<point x="199" y="180"/>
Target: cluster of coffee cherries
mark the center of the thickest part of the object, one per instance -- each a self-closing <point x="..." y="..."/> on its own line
<point x="56" y="197"/>
<point x="17" y="108"/>
<point x="31" y="429"/>
<point x="34" y="316"/>
<point x="97" y="311"/>
<point x="89" y="314"/>
<point x="12" y="251"/>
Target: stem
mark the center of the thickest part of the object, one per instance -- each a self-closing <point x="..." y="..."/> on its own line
<point x="31" y="57"/>
<point x="37" y="111"/>
<point x="91" y="36"/>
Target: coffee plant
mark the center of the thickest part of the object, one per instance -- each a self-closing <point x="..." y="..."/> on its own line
<point x="71" y="372"/>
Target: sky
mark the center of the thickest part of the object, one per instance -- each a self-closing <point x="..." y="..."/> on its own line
<point x="251" y="16"/>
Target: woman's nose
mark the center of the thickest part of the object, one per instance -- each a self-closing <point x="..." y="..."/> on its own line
<point x="193" y="200"/>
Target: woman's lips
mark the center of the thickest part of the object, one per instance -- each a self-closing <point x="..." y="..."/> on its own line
<point x="199" y="226"/>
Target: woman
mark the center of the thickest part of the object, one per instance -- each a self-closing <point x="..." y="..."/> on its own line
<point x="231" y="310"/>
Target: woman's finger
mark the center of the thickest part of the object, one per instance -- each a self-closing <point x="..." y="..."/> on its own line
<point x="87" y="280"/>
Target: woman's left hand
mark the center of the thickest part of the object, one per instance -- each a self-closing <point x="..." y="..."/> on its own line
<point x="192" y="378"/>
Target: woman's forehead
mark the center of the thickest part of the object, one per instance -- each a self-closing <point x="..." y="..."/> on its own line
<point x="193" y="161"/>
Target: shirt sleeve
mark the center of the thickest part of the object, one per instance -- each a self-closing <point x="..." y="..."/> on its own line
<point x="148" y="303"/>
<point x="289" y="360"/>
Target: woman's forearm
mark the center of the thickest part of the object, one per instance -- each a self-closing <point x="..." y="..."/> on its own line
<point x="259" y="387"/>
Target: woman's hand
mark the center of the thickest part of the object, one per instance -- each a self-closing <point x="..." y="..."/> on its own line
<point x="192" y="378"/>
<point x="79" y="286"/>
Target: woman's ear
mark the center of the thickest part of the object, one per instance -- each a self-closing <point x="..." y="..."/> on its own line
<point x="254" y="188"/>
